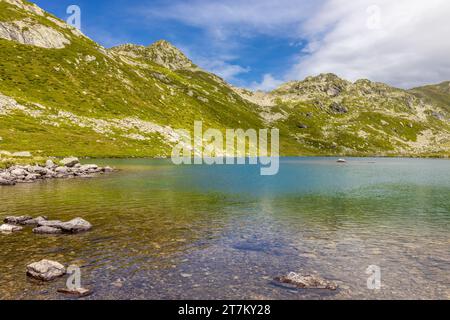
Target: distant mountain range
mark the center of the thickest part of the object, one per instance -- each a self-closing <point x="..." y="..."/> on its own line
<point x="63" y="94"/>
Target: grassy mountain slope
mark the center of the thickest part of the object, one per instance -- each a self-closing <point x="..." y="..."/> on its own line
<point x="79" y="87"/>
<point x="63" y="94"/>
<point x="438" y="94"/>
<point x="332" y="115"/>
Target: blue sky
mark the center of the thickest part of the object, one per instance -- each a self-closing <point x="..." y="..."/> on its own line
<point x="261" y="43"/>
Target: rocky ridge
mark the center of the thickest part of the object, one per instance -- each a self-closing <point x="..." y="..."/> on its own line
<point x="161" y="52"/>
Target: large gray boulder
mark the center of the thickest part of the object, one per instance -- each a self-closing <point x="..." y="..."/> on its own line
<point x="69" y="162"/>
<point x="76" y="225"/>
<point x="45" y="270"/>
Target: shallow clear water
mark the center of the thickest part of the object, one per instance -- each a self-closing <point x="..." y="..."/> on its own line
<point x="198" y="232"/>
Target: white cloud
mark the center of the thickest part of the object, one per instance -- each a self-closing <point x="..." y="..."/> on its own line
<point x="268" y="83"/>
<point x="222" y="68"/>
<point x="403" y="42"/>
<point x="227" y="18"/>
<point x="221" y="64"/>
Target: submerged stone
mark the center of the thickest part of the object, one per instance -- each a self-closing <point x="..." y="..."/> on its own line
<point x="78" y="292"/>
<point x="307" y="281"/>
<point x="76" y="225"/>
<point x="45" y="270"/>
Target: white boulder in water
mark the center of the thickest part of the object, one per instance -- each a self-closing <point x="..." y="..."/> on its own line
<point x="45" y="270"/>
<point x="9" y="228"/>
<point x="76" y="225"/>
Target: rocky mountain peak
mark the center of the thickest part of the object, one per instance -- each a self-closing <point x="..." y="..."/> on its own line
<point x="164" y="45"/>
<point x="329" y="84"/>
<point x="323" y="77"/>
<point x="161" y="52"/>
<point x="164" y="53"/>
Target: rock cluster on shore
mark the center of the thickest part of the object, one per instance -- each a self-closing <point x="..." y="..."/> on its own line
<point x="69" y="168"/>
<point x="44" y="226"/>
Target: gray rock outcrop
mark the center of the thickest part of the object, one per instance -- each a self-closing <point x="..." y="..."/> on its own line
<point x="32" y="33"/>
<point x="338" y="108"/>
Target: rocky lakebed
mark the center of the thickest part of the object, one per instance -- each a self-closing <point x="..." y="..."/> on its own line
<point x="48" y="270"/>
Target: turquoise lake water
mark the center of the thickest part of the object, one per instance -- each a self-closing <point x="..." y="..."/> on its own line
<point x="203" y="232"/>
